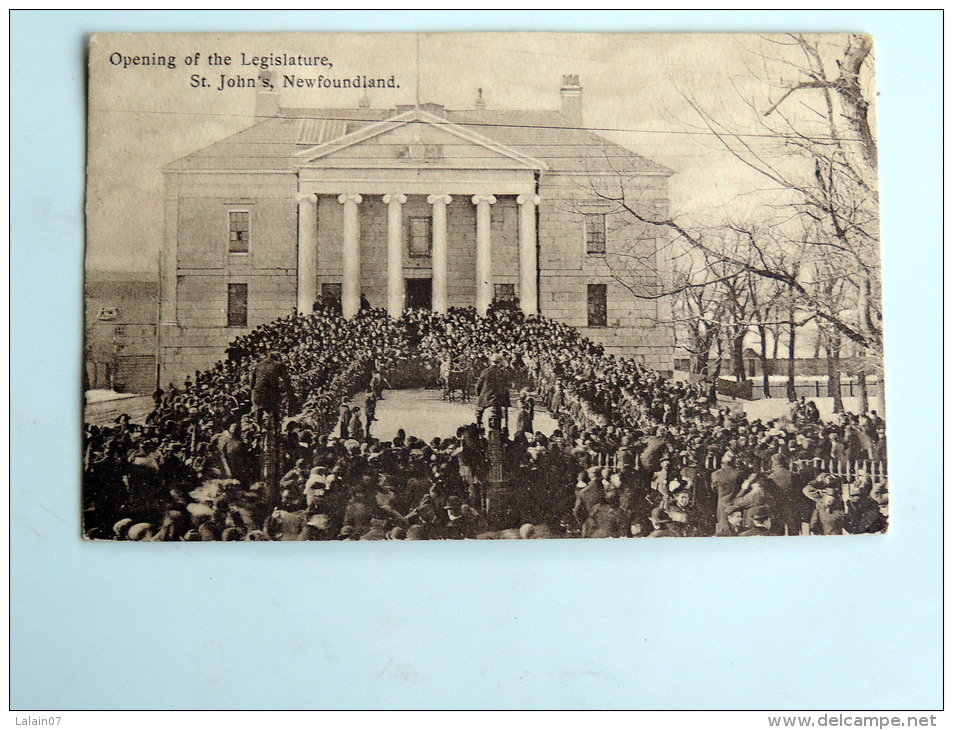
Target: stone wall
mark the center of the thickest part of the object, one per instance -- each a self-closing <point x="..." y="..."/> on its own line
<point x="636" y="327"/>
<point x="206" y="268"/>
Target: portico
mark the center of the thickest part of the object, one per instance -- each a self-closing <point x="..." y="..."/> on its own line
<point x="478" y="173"/>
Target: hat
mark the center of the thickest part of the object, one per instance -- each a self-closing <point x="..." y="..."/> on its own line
<point x="140" y="531"/>
<point x="415" y="532"/>
<point x="496" y="357"/>
<point x="316" y="479"/>
<point x="659" y="516"/>
<point x="198" y="509"/>
<point x="320" y="521"/>
<point x="760" y="513"/>
<point x="119" y="529"/>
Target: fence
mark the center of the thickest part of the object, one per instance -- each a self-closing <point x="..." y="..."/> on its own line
<point x="815" y="389"/>
<point x="754" y="389"/>
<point x="847" y="470"/>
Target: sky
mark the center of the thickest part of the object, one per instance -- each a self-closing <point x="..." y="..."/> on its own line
<point x="636" y="88"/>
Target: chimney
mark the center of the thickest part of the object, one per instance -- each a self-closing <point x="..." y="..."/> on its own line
<point x="571" y="93"/>
<point x="266" y="100"/>
<point x="364" y="102"/>
<point x="480" y="102"/>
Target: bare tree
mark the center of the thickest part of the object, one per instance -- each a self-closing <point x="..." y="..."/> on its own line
<point x="697" y="318"/>
<point x="807" y="131"/>
<point x="814" y="142"/>
<point x="765" y="296"/>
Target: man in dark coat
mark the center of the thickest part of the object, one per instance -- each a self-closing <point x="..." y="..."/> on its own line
<point x="862" y="512"/>
<point x="237" y="459"/>
<point x="792" y="508"/>
<point x="655" y="448"/>
<point x="270" y="384"/>
<point x="492" y="389"/>
<point x="828" y="517"/>
<point x="725" y="483"/>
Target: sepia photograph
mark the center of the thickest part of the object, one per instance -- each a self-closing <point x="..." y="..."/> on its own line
<point x="504" y="296"/>
<point x="448" y="286"/>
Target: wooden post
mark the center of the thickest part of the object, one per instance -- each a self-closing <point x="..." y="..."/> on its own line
<point x="498" y="507"/>
<point x="269" y="460"/>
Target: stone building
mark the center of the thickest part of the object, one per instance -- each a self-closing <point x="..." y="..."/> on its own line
<point x="417" y="206"/>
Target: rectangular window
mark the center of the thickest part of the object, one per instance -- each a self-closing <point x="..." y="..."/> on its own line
<point x="596" y="233"/>
<point x="238" y="231"/>
<point x="504" y="292"/>
<point x="331" y="291"/>
<point x="238" y="305"/>
<point x="418" y="238"/>
<point x="597" y="314"/>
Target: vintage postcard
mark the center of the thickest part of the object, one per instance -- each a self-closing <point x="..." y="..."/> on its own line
<point x="482" y="286"/>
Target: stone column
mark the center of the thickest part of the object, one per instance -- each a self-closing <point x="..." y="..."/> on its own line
<point x="484" y="262"/>
<point x="529" y="297"/>
<point x="395" y="253"/>
<point x="307" y="252"/>
<point x="351" y="287"/>
<point x="439" y="253"/>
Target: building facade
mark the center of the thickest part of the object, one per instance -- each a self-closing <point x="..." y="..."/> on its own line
<point x="417" y="206"/>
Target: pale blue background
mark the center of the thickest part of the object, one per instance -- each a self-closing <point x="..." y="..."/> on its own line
<point x="773" y="624"/>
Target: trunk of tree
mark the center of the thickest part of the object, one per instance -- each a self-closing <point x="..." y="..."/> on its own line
<point x="775" y="341"/>
<point x="862" y="386"/>
<point x="792" y="334"/>
<point x="833" y="372"/>
<point x="701" y="362"/>
<point x="692" y="347"/>
<point x="701" y="355"/>
<point x="738" y="355"/>
<point x="719" y="356"/>
<point x="765" y="369"/>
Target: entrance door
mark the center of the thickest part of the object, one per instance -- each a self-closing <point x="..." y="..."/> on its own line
<point x="419" y="293"/>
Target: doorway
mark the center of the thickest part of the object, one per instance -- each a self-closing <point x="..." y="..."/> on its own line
<point x="419" y="292"/>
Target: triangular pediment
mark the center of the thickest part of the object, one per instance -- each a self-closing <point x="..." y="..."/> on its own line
<point x="417" y="139"/>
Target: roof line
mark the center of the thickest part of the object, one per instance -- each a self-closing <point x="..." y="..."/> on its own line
<point x="419" y="115"/>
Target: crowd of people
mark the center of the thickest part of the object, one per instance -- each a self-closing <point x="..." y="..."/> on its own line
<point x="634" y="454"/>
